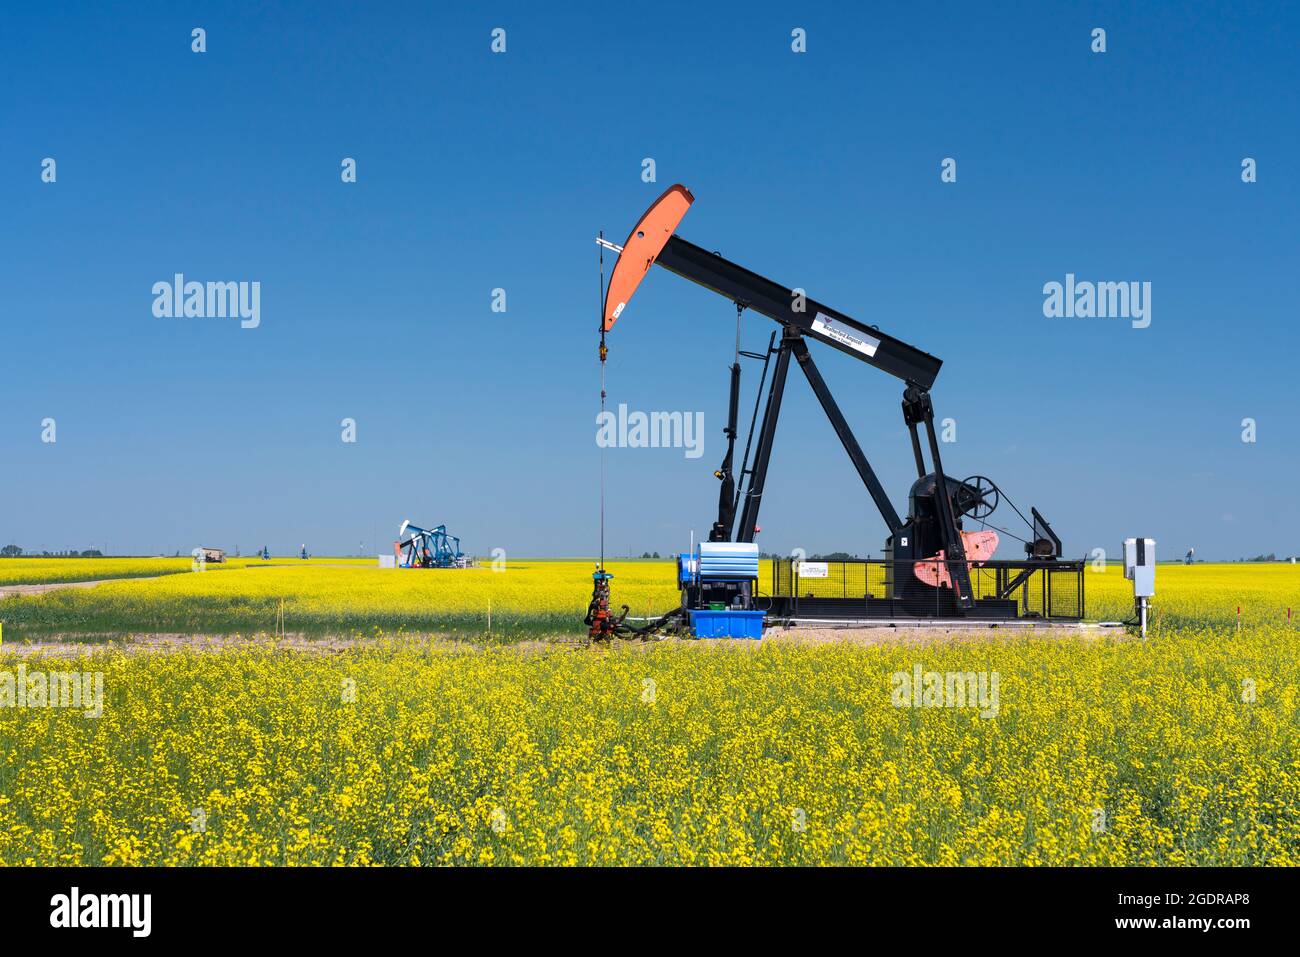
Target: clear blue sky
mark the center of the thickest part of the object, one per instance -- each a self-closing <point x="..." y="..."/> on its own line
<point x="477" y="171"/>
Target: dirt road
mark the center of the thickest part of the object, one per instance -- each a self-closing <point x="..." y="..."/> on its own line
<point x="7" y="590"/>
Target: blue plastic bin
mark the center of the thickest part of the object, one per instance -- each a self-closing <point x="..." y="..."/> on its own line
<point x="726" y="624"/>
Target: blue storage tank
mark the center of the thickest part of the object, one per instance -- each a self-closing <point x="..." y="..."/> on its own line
<point x="726" y="624"/>
<point x="728" y="560"/>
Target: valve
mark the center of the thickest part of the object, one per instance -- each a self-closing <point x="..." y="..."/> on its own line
<point x="601" y="623"/>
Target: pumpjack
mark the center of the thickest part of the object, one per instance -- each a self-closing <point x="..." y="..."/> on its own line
<point x="929" y="555"/>
<point x="418" y="547"/>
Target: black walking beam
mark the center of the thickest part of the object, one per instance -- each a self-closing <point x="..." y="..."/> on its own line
<point x="790" y="308"/>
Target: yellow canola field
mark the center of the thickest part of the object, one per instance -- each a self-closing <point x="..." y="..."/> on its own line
<point x="331" y="597"/>
<point x="526" y="598"/>
<point x="1092" y="749"/>
<point x="1094" y="752"/>
<point x="39" y="571"/>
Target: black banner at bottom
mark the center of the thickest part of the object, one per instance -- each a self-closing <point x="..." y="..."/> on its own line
<point x="336" y="906"/>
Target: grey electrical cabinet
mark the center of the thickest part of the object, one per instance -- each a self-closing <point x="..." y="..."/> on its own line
<point x="1140" y="565"/>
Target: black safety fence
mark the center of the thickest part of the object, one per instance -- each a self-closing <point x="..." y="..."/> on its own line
<point x="884" y="588"/>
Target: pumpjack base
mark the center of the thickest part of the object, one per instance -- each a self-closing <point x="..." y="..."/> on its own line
<point x="901" y="609"/>
<point x="777" y="626"/>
